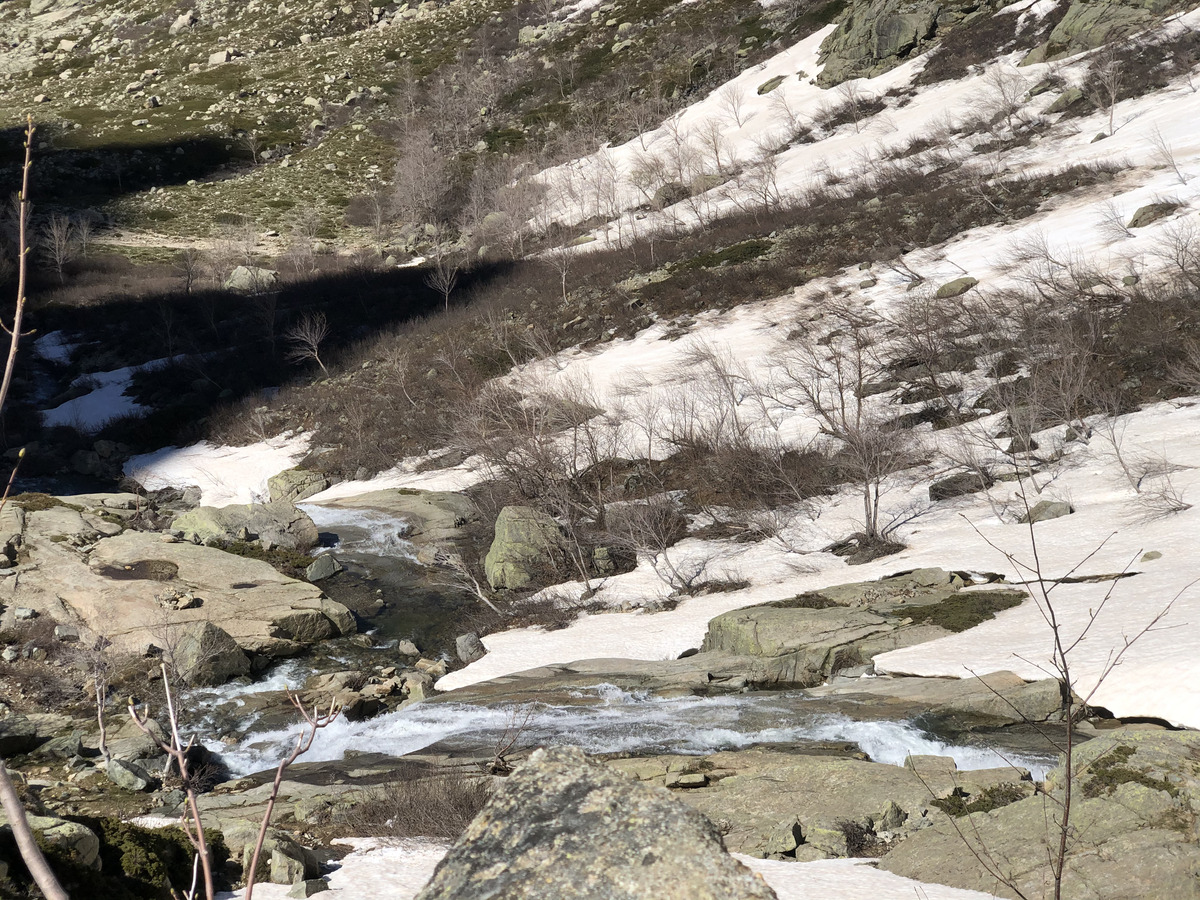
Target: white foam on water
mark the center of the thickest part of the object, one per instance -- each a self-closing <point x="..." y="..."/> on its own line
<point x="622" y="722"/>
<point x="383" y="533"/>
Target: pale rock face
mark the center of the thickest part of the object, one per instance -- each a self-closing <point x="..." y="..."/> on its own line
<point x="568" y="827"/>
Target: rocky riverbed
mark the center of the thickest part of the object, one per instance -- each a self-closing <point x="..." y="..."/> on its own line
<point x="776" y="729"/>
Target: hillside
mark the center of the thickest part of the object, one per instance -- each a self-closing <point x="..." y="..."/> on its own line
<point x="774" y="399"/>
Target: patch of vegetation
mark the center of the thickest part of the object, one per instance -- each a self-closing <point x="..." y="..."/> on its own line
<point x="34" y="501"/>
<point x="861" y="840"/>
<point x="1110" y="771"/>
<point x="436" y="804"/>
<point x="733" y="255"/>
<point x="135" y="863"/>
<point x="290" y="562"/>
<point x="963" y="611"/>
<point x="961" y="803"/>
<point x="807" y="600"/>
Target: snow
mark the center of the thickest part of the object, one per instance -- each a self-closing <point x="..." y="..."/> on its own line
<point x="54" y="347"/>
<point x="225" y="475"/>
<point x="104" y="402"/>
<point x="413" y="472"/>
<point x="379" y="869"/>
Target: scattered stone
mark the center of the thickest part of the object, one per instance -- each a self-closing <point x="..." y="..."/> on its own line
<point x="1151" y="555"/>
<point x="221" y="56"/>
<point x="567" y="827"/>
<point x="407" y="648"/>
<point x="282" y="524"/>
<point x="183" y="21"/>
<point x="1065" y="100"/>
<point x="67" y="634"/>
<point x="77" y="841"/>
<point x="17" y="735"/>
<point x="24" y="613"/>
<point x="770" y="84"/>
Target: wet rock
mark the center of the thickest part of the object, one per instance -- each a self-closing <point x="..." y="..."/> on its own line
<point x="567" y="827"/>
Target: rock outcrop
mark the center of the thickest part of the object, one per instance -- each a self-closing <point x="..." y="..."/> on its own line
<point x="293" y="485"/>
<point x="1133" y="828"/>
<point x="567" y="827"/>
<point x="528" y="547"/>
<point x="278" y="524"/>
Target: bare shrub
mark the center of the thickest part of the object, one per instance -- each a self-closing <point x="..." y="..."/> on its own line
<point x="421" y="803"/>
<point x="306" y="337"/>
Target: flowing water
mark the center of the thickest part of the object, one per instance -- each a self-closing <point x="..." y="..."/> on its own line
<point x="384" y="578"/>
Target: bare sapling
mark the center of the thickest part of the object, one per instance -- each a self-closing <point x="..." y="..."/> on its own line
<point x="314" y="721"/>
<point x="177" y="754"/>
<point x="1077" y="691"/>
<point x="306" y="337"/>
<point x="10" y="800"/>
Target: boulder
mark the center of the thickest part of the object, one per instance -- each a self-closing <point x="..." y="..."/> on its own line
<point x="128" y="775"/>
<point x="182" y="22"/>
<point x="528" y="547"/>
<point x="207" y="655"/>
<point x="77" y="841"/>
<point x="1151" y="213"/>
<point x="17" y="735"/>
<point x="1134" y="793"/>
<point x="568" y="827"/>
<point x="277" y="524"/>
<point x="956" y="288"/>
<point x="1045" y="510"/>
<point x="958" y="486"/>
<point x="293" y="485"/>
<point x="797" y="646"/>
<point x="324" y="566"/>
<point x="249" y="279"/>
<point x="469" y="648"/>
<point x="1088" y="24"/>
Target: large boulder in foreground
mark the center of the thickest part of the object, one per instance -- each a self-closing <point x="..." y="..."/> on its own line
<point x="528" y="547"/>
<point x="570" y="828"/>
<point x="271" y="524"/>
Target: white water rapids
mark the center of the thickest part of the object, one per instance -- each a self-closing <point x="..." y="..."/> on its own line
<point x="621" y="722"/>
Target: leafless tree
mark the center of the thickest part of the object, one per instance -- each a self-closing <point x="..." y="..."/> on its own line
<point x="1106" y="77"/>
<point x="10" y="800"/>
<point x="177" y="752"/>
<point x="1112" y="222"/>
<point x="58" y="242"/>
<point x="732" y="101"/>
<point x="85" y="229"/>
<point x="1164" y="154"/>
<point x="1005" y="94"/>
<point x="187" y="263"/>
<point x="826" y="376"/>
<point x="420" y="177"/>
<point x="306" y="337"/>
<point x="314" y="721"/>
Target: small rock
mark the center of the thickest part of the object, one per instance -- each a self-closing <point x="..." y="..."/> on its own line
<point x="956" y="288"/>
<point x="67" y="634"/>
<point x="24" y="613"/>
<point x="407" y="648"/>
